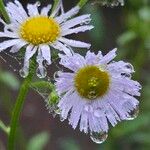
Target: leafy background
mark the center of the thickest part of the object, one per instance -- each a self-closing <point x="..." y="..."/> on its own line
<point x="128" y="29"/>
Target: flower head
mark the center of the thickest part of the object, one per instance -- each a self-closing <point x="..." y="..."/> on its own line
<point x="96" y="91"/>
<point x="39" y="31"/>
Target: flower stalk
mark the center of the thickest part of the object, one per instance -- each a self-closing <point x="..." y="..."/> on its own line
<point x="4" y="12"/>
<point x="82" y="3"/>
<point x="18" y="107"/>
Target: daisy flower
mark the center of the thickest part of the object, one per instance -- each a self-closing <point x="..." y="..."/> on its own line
<point x="39" y="31"/>
<point x="96" y="92"/>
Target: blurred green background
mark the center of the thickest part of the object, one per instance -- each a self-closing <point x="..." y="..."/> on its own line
<point x="128" y="29"/>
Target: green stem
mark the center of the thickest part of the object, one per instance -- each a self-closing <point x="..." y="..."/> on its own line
<point x="18" y="107"/>
<point x="4" y="12"/>
<point x="82" y="3"/>
<point x="55" y="4"/>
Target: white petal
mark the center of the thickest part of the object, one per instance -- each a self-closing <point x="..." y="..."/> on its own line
<point x="76" y="21"/>
<point x="108" y="57"/>
<point x="18" y="46"/>
<point x="66" y="103"/>
<point x="21" y="9"/>
<point x="74" y="43"/>
<point x="65" y="82"/>
<point x="68" y="14"/>
<point x="30" y="51"/>
<point x="32" y="9"/>
<point x="15" y="12"/>
<point x="76" y="110"/>
<point x="76" y="30"/>
<point x="9" y="35"/>
<point x="46" y="53"/>
<point x="45" y="10"/>
<point x="61" y="47"/>
<point x="116" y="68"/>
<point x="84" y="122"/>
<point x="74" y="62"/>
<point x="92" y="59"/>
<point x="14" y="28"/>
<point x="6" y="44"/>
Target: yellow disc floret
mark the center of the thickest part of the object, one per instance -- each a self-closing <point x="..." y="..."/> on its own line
<point x="92" y="82"/>
<point x="40" y="30"/>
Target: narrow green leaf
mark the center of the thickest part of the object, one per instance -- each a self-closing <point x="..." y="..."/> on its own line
<point x="38" y="142"/>
<point x="10" y="80"/>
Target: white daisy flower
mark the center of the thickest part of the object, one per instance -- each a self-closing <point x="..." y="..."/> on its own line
<point x="96" y="91"/>
<point x="39" y="31"/>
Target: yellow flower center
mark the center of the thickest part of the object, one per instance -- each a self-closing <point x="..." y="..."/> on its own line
<point x="40" y="30"/>
<point x="91" y="82"/>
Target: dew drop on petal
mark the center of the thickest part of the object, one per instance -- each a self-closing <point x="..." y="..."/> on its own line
<point x="23" y="72"/>
<point x="98" y="113"/>
<point x="129" y="66"/>
<point x="127" y="75"/>
<point x="88" y="108"/>
<point x="133" y="114"/>
<point x="38" y="3"/>
<point x="61" y="118"/>
<point x="98" y="138"/>
<point x="87" y="22"/>
<point x="56" y="74"/>
<point x="41" y="72"/>
<point x="92" y="95"/>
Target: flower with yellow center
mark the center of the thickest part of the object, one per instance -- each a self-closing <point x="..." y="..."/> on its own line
<point x="96" y="91"/>
<point x="91" y="82"/>
<point x="39" y="31"/>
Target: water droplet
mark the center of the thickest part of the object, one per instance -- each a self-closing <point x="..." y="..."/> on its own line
<point x="87" y="22"/>
<point x="57" y="74"/>
<point x="140" y="86"/>
<point x="38" y="3"/>
<point x="126" y="75"/>
<point x="98" y="113"/>
<point x="98" y="138"/>
<point x="88" y="108"/>
<point x="57" y="111"/>
<point x="133" y="114"/>
<point x="61" y="118"/>
<point x="41" y="72"/>
<point x="23" y="72"/>
<point x="92" y="95"/>
<point x="129" y="66"/>
<point x="54" y="115"/>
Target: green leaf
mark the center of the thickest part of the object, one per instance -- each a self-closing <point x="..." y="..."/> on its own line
<point x="44" y="88"/>
<point x="126" y="37"/>
<point x="129" y="127"/>
<point x="4" y="127"/>
<point x="144" y="13"/>
<point x="10" y="80"/>
<point x="38" y="142"/>
<point x="42" y="84"/>
<point x="69" y="144"/>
